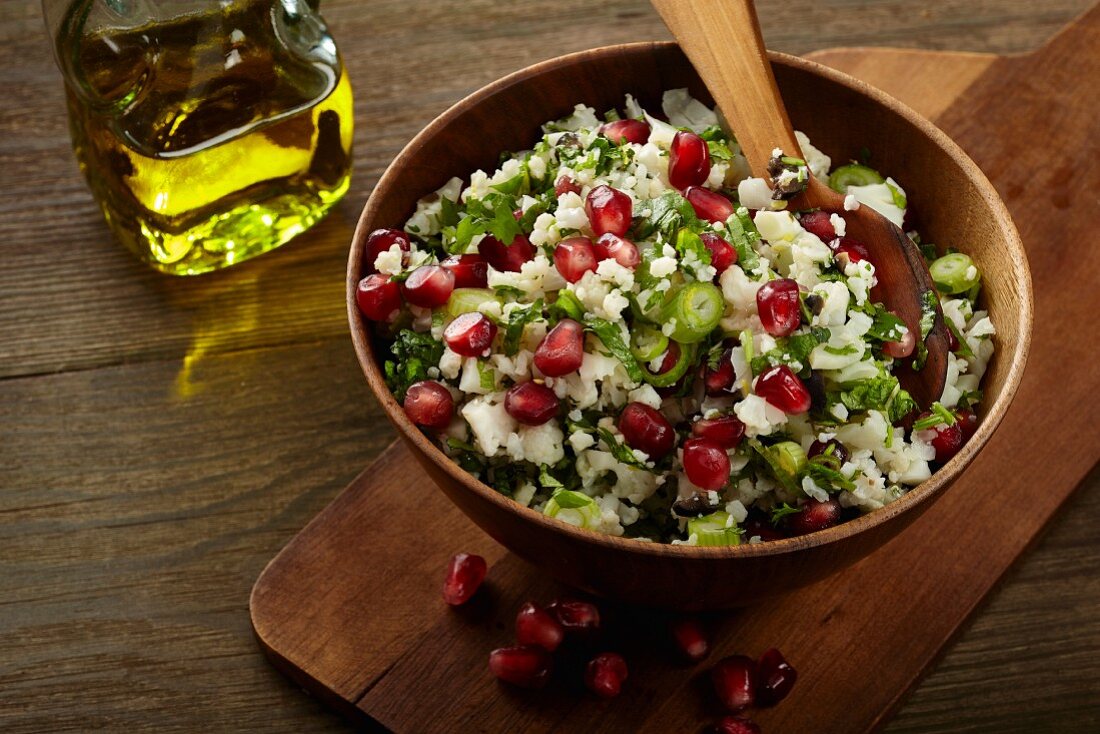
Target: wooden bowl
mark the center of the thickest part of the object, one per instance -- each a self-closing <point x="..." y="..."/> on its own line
<point x="956" y="207"/>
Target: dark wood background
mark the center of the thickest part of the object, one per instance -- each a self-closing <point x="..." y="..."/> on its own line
<point x="161" y="439"/>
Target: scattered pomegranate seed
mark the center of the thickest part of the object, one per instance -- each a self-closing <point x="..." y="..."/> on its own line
<point x="968" y="423"/>
<point x="506" y="258"/>
<point x="706" y="463"/>
<point x="378" y="297"/>
<point x="719" y="381"/>
<point x="470" y="334"/>
<point x="708" y="205"/>
<point x="690" y="637"/>
<point x="605" y="673"/>
<point x="381" y="240"/>
<point x="734" y="681"/>
<point x="818" y="223"/>
<point x="622" y="250"/>
<point x="536" y="626"/>
<point x="629" y="131"/>
<point x="573" y="257"/>
<point x="566" y="185"/>
<point x="736" y="725"/>
<point x="669" y="360"/>
<point x="531" y="403"/>
<point x="817" y="448"/>
<point x="722" y="254"/>
<point x="429" y="404"/>
<point x="902" y="348"/>
<point x="429" y="286"/>
<point x="470" y="271"/>
<point x="561" y="351"/>
<point x="526" y="666"/>
<point x="850" y="250"/>
<point x="688" y="160"/>
<point x="608" y="210"/>
<point x="465" y="573"/>
<point x="782" y="388"/>
<point x="575" y="616"/>
<point x="775" y="678"/>
<point x="815" y="515"/>
<point x="647" y="430"/>
<point x="726" y="431"/>
<point x="945" y="439"/>
<point x="778" y="306"/>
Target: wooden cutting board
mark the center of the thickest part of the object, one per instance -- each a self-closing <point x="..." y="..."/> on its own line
<point x="351" y="608"/>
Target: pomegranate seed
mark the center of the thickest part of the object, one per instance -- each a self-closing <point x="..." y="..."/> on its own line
<point x="688" y="161"/>
<point x="429" y="286"/>
<point x="561" y="351"/>
<point x="818" y="223"/>
<point x="945" y="439"/>
<point x="566" y="185"/>
<point x="814" y="516"/>
<point x="378" y="297"/>
<point x="778" y="306"/>
<point x="605" y="673"/>
<point x="647" y="430"/>
<point x="817" y="448"/>
<point x="576" y="617"/>
<point x="526" y="666"/>
<point x="470" y="334"/>
<point x="734" y="681"/>
<point x="760" y="527"/>
<point x="465" y="573"/>
<point x="706" y="463"/>
<point x="775" y="678"/>
<point x="381" y="240"/>
<point x="622" y="250"/>
<point x="608" y="210"/>
<point x="782" y="388"/>
<point x="850" y="250"/>
<point x="429" y="404"/>
<point x="668" y="361"/>
<point x="726" y="431"/>
<point x="952" y="340"/>
<point x="736" y="725"/>
<point x="531" y="403"/>
<point x="902" y="348"/>
<point x="506" y="258"/>
<point x="629" y="131"/>
<point x="574" y="257"/>
<point x="719" y="381"/>
<point x="968" y="423"/>
<point x="536" y="626"/>
<point x="691" y="638"/>
<point x="470" y="271"/>
<point x="708" y="205"/>
<point x="722" y="254"/>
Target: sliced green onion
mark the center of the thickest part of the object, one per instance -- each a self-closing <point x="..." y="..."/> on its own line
<point x="467" y="300"/>
<point x="853" y="175"/>
<point x="711" y="530"/>
<point x="788" y="457"/>
<point x="670" y="378"/>
<point x="574" y="508"/>
<point x="696" y="310"/>
<point x="954" y="273"/>
<point x="648" y="343"/>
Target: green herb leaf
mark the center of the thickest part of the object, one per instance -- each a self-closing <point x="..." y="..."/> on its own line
<point x="782" y="511"/>
<point x="620" y="451"/>
<point x="517" y="320"/>
<point x="413" y="355"/>
<point x="612" y="339"/>
<point x="548" y="481"/>
<point x="744" y="236"/>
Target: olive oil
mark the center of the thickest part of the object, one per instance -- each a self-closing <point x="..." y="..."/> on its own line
<point x="213" y="137"/>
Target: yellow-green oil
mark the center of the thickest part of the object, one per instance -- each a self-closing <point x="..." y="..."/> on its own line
<point x="205" y="140"/>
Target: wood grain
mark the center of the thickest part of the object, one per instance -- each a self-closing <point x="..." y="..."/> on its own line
<point x="134" y="518"/>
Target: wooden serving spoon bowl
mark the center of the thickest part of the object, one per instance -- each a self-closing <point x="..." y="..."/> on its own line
<point x="722" y="39"/>
<point x="957" y="208"/>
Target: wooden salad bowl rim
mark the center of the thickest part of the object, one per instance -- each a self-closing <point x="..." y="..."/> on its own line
<point x="991" y="414"/>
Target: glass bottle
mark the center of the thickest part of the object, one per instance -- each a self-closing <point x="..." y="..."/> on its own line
<point x="209" y="131"/>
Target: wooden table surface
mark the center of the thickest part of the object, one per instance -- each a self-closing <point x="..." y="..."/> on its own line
<point x="161" y="438"/>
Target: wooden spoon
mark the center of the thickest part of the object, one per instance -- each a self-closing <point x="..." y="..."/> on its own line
<point x="722" y="39"/>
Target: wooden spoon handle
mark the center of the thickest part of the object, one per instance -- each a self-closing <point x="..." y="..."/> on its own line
<point x="738" y="75"/>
